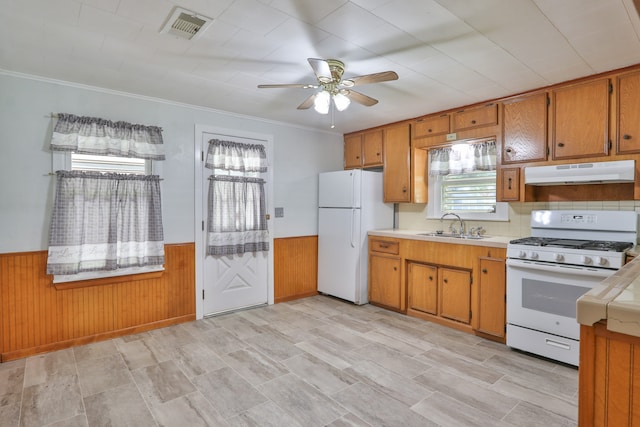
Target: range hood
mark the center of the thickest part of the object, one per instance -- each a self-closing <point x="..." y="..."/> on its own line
<point x="581" y="173"/>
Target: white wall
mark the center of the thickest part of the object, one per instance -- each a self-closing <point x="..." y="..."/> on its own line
<point x="26" y="189"/>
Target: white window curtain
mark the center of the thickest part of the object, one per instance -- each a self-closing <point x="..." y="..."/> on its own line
<point x="237" y="221"/>
<point x="91" y="135"/>
<point x="237" y="212"/>
<point x="105" y="222"/>
<point x="234" y="156"/>
<point x="463" y="158"/>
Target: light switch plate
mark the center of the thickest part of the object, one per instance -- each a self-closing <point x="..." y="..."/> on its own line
<point x="279" y="212"/>
<point x="452" y="136"/>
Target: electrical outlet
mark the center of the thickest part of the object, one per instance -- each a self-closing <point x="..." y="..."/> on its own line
<point x="279" y="212"/>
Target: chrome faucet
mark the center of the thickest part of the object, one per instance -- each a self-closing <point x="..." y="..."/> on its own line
<point x="459" y="219"/>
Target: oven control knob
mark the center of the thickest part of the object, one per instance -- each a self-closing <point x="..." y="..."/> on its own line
<point x="533" y="255"/>
<point x="585" y="259"/>
<point x="558" y="257"/>
<point x="522" y="254"/>
<point x="600" y="260"/>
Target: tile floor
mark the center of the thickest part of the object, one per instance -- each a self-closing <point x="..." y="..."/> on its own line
<point x="312" y="362"/>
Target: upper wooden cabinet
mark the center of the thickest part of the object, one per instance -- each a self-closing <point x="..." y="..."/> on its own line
<point x="484" y="115"/>
<point x="363" y="149"/>
<point x="431" y="126"/>
<point x="628" y="129"/>
<point x="372" y="147"/>
<point x="397" y="163"/>
<point x="353" y="151"/>
<point x="524" y="129"/>
<point x="581" y="120"/>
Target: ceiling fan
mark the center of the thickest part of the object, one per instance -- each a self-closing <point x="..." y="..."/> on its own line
<point x="332" y="87"/>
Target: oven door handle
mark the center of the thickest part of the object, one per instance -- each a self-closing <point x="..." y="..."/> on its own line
<point x="560" y="268"/>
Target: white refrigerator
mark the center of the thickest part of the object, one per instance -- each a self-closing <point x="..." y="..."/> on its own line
<point x="350" y="204"/>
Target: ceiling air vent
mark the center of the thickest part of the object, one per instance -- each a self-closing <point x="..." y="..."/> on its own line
<point x="185" y="24"/>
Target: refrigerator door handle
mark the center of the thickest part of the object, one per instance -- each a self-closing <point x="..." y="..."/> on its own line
<point x="353" y="189"/>
<point x="353" y="227"/>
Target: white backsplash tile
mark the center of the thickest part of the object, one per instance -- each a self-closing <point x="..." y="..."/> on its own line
<point x="413" y="217"/>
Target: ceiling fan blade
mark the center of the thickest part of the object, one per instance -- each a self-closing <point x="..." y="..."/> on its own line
<point x="321" y="69"/>
<point x="292" y="85"/>
<point x="361" y="98"/>
<point x="383" y="76"/>
<point x="307" y="103"/>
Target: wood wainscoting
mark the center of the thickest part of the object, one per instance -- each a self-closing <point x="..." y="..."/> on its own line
<point x="295" y="267"/>
<point x="35" y="317"/>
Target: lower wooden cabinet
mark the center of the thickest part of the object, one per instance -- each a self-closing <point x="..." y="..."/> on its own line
<point x="455" y="295"/>
<point x="492" y="295"/>
<point x="609" y="378"/>
<point x="440" y="291"/>
<point x="422" y="280"/>
<point x="385" y="284"/>
<point x="461" y="286"/>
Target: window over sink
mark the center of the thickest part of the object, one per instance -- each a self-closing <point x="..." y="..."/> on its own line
<point x="462" y="180"/>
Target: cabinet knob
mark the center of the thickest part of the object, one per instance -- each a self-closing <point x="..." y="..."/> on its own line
<point x="626" y="137"/>
<point x="484" y="270"/>
<point x="431" y="278"/>
<point x="560" y="144"/>
<point x="395" y="268"/>
<point x="473" y="122"/>
<point x="429" y="130"/>
<point x="509" y="184"/>
<point x="508" y="150"/>
<point x="445" y="280"/>
<point x="404" y="189"/>
<point x="378" y="154"/>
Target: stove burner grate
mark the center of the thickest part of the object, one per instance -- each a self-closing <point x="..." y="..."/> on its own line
<point x="596" y="245"/>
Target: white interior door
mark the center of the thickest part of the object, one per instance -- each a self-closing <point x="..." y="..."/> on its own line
<point x="231" y="282"/>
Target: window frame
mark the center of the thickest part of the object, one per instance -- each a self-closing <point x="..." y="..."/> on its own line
<point x="434" y="192"/>
<point x="62" y="160"/>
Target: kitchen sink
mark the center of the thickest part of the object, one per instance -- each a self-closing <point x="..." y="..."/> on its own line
<point x="452" y="235"/>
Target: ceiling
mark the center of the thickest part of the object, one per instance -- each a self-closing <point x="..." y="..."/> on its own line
<point x="447" y="53"/>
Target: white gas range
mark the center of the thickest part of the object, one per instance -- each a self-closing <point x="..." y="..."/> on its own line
<point x="567" y="254"/>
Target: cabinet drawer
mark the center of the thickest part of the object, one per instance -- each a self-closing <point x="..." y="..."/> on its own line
<point x="385" y="246"/>
<point x="475" y="117"/>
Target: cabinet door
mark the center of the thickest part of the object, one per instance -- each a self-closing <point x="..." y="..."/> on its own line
<point x="524" y="129"/>
<point x="491" y="297"/>
<point x="475" y="117"/>
<point x="455" y="294"/>
<point x="581" y="120"/>
<point x="397" y="164"/>
<point x="509" y="185"/>
<point x="423" y="287"/>
<point x="431" y="126"/>
<point x="372" y="148"/>
<point x="384" y="281"/>
<point x="628" y="134"/>
<point x="353" y="151"/>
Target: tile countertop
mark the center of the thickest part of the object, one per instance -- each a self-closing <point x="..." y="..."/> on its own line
<point x="398" y="233"/>
<point x="616" y="300"/>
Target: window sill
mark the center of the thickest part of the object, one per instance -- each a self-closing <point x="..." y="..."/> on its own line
<point x="107" y="280"/>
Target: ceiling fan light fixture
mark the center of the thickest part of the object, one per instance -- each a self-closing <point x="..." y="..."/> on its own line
<point x="341" y="101"/>
<point x="322" y="101"/>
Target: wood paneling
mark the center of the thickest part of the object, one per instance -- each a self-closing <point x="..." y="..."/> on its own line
<point x="609" y="378"/>
<point x="37" y="317"/>
<point x="295" y="267"/>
